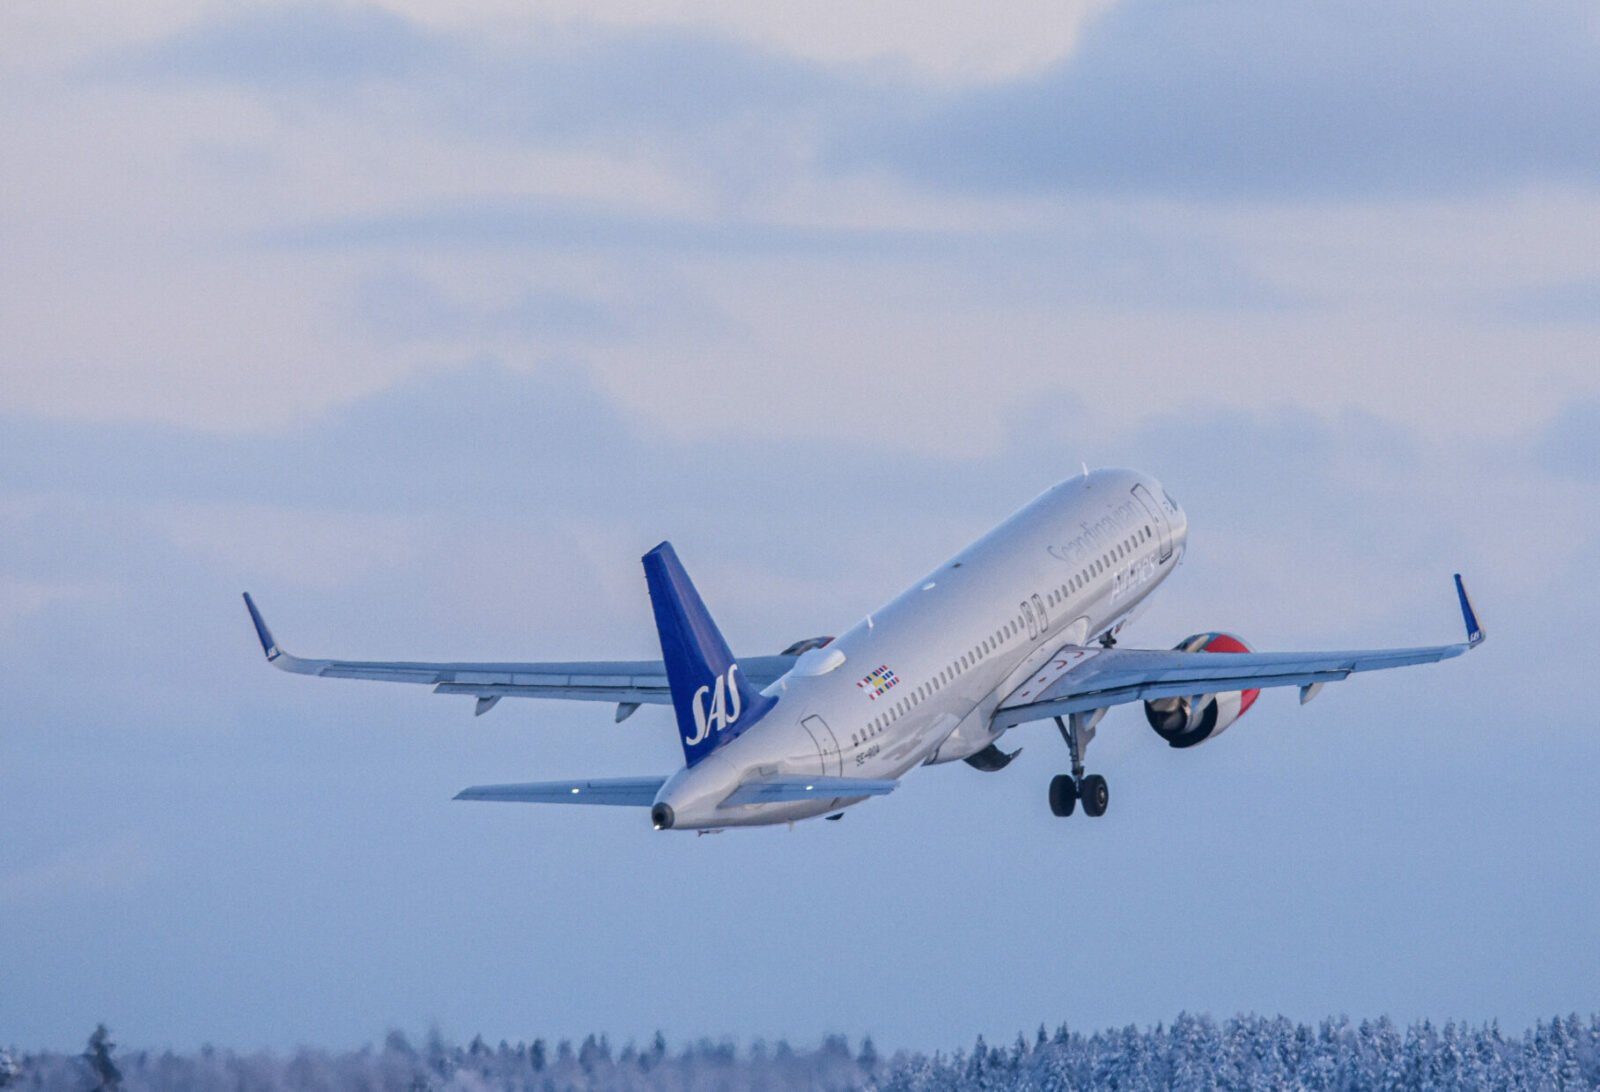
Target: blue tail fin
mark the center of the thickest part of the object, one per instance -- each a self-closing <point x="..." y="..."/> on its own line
<point x="713" y="700"/>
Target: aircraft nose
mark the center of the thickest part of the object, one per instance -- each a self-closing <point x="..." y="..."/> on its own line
<point x="661" y="817"/>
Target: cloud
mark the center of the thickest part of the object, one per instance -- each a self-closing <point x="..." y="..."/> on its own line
<point x="394" y="305"/>
<point x="1276" y="101"/>
<point x="1570" y="444"/>
<point x="328" y="47"/>
<point x="1571" y="302"/>
<point x="1214" y="102"/>
<point x="537" y="82"/>
<point x="534" y="223"/>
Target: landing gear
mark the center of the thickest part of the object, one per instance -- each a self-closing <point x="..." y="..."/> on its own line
<point x="1063" y="795"/>
<point x="1077" y="729"/>
<point x="1096" y="795"/>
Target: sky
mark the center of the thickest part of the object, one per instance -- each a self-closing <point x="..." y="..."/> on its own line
<point x="422" y="323"/>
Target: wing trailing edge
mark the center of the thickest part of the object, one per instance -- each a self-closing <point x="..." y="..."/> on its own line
<point x="1078" y="680"/>
<point x="629" y="683"/>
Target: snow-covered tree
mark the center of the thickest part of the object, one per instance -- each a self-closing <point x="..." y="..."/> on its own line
<point x="9" y="1069"/>
<point x="107" y="1076"/>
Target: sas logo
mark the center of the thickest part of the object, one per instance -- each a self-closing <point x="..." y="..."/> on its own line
<point x="878" y="681"/>
<point x="717" y="715"/>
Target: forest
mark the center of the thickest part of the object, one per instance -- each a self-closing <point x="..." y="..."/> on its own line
<point x="1192" y="1052"/>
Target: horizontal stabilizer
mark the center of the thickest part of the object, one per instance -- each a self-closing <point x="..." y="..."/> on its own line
<point x="785" y="790"/>
<point x="628" y="792"/>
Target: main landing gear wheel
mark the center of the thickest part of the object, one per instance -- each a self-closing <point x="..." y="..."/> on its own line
<point x="1063" y="795"/>
<point x="1096" y="795"/>
<point x="1077" y="729"/>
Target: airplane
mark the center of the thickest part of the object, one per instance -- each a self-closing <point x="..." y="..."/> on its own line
<point x="1020" y="626"/>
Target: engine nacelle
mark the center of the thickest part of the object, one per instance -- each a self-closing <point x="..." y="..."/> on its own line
<point x="1185" y="722"/>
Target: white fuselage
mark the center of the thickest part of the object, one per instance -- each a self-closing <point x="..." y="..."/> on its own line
<point x="918" y="681"/>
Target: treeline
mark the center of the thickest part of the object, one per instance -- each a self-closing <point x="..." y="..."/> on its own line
<point x="1192" y="1053"/>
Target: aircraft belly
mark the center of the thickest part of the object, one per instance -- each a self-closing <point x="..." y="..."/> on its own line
<point x="765" y="815"/>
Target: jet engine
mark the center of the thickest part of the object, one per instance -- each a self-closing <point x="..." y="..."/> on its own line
<point x="1184" y="722"/>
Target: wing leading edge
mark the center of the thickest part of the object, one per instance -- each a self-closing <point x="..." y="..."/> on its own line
<point x="622" y="681"/>
<point x="1077" y="680"/>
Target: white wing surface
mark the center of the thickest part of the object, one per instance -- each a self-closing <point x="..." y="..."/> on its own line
<point x="628" y="792"/>
<point x="1079" y="679"/>
<point x="626" y="682"/>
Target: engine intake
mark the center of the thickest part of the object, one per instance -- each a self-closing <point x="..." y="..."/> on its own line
<point x="1189" y="721"/>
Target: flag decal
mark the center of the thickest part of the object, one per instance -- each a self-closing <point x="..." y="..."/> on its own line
<point x="879" y="680"/>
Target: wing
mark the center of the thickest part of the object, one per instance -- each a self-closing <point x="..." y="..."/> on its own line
<point x="784" y="790"/>
<point x="630" y="792"/>
<point x="627" y="682"/>
<point x="1078" y="679"/>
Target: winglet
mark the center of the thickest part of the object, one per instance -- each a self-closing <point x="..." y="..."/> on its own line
<point x="268" y="645"/>
<point x="1468" y="615"/>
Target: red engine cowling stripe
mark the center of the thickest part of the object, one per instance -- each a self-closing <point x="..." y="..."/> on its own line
<point x="1227" y="642"/>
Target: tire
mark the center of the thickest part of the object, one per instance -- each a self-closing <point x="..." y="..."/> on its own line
<point x="1096" y="795"/>
<point x="1063" y="796"/>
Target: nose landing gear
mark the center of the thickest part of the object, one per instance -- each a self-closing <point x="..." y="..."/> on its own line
<point x="1077" y="729"/>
